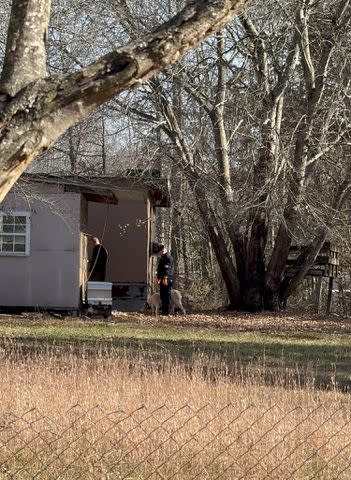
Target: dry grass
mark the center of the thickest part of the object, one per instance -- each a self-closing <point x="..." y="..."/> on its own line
<point x="266" y="322"/>
<point x="160" y="420"/>
<point x="53" y="381"/>
<point x="310" y="346"/>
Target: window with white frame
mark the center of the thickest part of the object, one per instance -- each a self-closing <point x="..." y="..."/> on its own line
<point x="14" y="233"/>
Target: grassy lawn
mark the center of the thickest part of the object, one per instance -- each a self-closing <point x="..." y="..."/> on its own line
<point x="177" y="395"/>
<point x="315" y="347"/>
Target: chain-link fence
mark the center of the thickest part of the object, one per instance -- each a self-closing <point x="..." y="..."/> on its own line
<point x="234" y="442"/>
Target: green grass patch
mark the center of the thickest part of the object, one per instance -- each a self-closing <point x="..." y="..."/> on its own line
<point x="325" y="355"/>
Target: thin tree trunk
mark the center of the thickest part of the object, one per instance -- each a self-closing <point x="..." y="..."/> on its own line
<point x="25" y="56"/>
<point x="223" y="257"/>
<point x="330" y="296"/>
<point x="185" y="256"/>
<point x="238" y="242"/>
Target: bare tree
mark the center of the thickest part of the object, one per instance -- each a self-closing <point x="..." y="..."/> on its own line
<point x="256" y="120"/>
<point x="276" y="99"/>
<point x="36" y="110"/>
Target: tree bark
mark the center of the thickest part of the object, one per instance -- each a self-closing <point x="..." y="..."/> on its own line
<point x="72" y="152"/>
<point x="217" y="118"/>
<point x="25" y="55"/>
<point x="238" y="242"/>
<point x="222" y="254"/>
<point x="255" y="268"/>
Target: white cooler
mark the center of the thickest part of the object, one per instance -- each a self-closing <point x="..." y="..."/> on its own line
<point x="99" y="293"/>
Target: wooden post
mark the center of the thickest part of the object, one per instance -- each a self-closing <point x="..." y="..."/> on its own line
<point x="318" y="288"/>
<point x="330" y="293"/>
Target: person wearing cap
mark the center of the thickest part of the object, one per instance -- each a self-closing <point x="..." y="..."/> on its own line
<point x="165" y="272"/>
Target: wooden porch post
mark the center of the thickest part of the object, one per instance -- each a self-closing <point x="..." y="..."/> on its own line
<point x="330" y="293"/>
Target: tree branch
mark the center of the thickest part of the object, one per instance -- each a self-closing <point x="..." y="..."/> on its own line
<point x="260" y="52"/>
<point x="45" y="109"/>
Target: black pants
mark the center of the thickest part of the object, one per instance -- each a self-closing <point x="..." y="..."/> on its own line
<point x="165" y="294"/>
<point x="97" y="276"/>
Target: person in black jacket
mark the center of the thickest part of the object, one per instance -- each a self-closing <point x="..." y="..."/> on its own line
<point x="97" y="264"/>
<point x="165" y="272"/>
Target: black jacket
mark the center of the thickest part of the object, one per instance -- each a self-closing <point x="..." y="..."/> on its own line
<point x="98" y="259"/>
<point x="165" y="266"/>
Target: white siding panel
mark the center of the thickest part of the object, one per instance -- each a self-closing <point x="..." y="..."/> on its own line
<point x="49" y="276"/>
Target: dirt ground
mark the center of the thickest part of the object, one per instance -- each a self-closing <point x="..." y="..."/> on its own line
<point x="239" y="321"/>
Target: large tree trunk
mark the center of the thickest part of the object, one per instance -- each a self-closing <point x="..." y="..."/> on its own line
<point x="186" y="160"/>
<point x="255" y="268"/>
<point x="217" y="117"/>
<point x="25" y="56"/>
<point x="277" y="263"/>
<point x="238" y="242"/>
<point x="270" y="114"/>
<point x="226" y="267"/>
<point x="175" y="219"/>
<point x="276" y="269"/>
